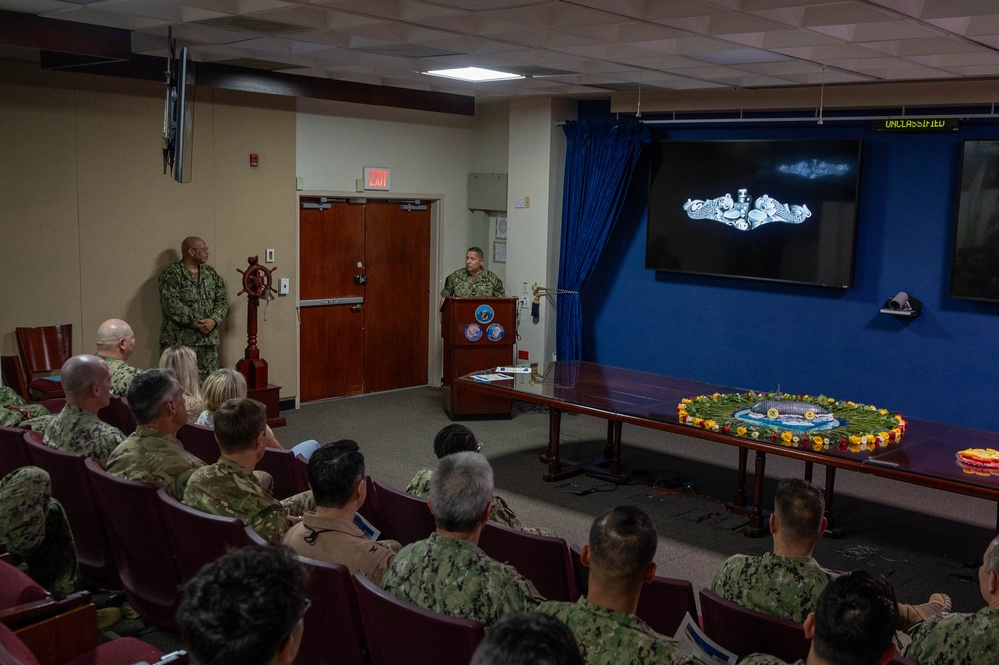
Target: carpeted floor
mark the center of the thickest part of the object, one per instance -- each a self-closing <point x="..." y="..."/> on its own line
<point x="925" y="540"/>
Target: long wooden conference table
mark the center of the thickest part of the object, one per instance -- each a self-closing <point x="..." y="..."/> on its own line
<point x="925" y="456"/>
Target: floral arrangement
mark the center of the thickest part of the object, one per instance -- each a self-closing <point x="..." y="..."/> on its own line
<point x="861" y="427"/>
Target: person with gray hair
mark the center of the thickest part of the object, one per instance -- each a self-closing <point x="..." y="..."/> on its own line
<point x="86" y="380"/>
<point x="115" y="342"/>
<point x="952" y="638"/>
<point x="152" y="454"/>
<point x="448" y="572"/>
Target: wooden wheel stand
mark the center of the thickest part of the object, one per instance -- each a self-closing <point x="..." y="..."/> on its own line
<point x="257" y="282"/>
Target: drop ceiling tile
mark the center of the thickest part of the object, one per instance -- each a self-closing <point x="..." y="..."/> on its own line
<point x="844" y="13"/>
<point x="942" y="8"/>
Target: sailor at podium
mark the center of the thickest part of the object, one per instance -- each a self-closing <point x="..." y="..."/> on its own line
<point x="472" y="281"/>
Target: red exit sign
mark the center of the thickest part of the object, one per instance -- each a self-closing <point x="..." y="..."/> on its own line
<point x="377" y="178"/>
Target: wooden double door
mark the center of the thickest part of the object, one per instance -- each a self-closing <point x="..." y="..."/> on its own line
<point x="365" y="296"/>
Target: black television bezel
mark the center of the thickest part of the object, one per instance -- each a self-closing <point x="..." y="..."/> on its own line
<point x="957" y="222"/>
<point x="856" y="214"/>
<point x="184" y="118"/>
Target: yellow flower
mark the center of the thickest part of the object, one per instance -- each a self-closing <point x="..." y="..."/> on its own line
<point x="855" y="440"/>
<point x="741" y="431"/>
<point x="883" y="412"/>
<point x="817" y="440"/>
<point x="883" y="435"/>
<point x="686" y="400"/>
<point x="709" y="424"/>
<point x="786" y="437"/>
<point x="697" y="422"/>
<point x="716" y="396"/>
<point x="830" y="400"/>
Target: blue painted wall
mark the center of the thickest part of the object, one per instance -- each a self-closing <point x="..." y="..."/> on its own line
<point x="941" y="366"/>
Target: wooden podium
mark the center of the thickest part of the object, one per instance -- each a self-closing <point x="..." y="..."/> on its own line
<point x="479" y="333"/>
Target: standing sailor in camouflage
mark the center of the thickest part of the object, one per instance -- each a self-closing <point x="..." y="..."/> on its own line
<point x="115" y="342"/>
<point x="455" y="439"/>
<point x="853" y="624"/>
<point x="447" y="572"/>
<point x="620" y="557"/>
<point x="228" y="488"/>
<point x="787" y="582"/>
<point x="193" y="299"/>
<point x="86" y="380"/>
<point x="472" y="281"/>
<point x="34" y="528"/>
<point x="153" y="454"/>
<point x="14" y="411"/>
<point x="963" y="639"/>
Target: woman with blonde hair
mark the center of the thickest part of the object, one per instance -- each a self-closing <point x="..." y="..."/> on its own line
<point x="220" y="386"/>
<point x="184" y="364"/>
<point x="225" y="384"/>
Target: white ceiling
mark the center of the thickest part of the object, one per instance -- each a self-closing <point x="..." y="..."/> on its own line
<point x="570" y="48"/>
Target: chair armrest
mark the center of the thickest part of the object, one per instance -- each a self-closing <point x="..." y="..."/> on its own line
<point x="39" y="610"/>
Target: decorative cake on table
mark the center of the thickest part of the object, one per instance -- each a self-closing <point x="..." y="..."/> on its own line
<point x="820" y="423"/>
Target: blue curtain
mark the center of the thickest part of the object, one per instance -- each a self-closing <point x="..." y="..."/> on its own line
<point x="600" y="159"/>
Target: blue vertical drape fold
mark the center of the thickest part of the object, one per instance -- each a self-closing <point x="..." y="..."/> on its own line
<point x="600" y="159"/>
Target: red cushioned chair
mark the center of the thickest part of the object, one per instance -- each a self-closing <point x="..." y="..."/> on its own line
<point x="13" y="376"/>
<point x="404" y="517"/>
<point x="197" y="538"/>
<point x="665" y="602"/>
<point x="370" y="509"/>
<point x="200" y="442"/>
<point x="23" y="601"/>
<point x="13" y="454"/>
<point x="44" y="349"/>
<point x="118" y="414"/>
<point x="541" y="559"/>
<point x="744" y="631"/>
<point x="289" y="473"/>
<point x="71" y="486"/>
<point x="334" y="618"/>
<point x="400" y="632"/>
<point x="70" y="639"/>
<point x="138" y="536"/>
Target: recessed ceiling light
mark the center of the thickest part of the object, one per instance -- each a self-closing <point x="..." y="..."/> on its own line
<point x="474" y="74"/>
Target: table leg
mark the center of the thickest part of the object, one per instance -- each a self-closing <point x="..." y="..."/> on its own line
<point x="740" y="489"/>
<point x="551" y="454"/>
<point x="614" y="443"/>
<point x="808" y="471"/>
<point x="831" y="530"/>
<point x="757" y="527"/>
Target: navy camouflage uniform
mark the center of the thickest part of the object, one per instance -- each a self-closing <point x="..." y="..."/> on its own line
<point x="953" y="638"/>
<point x="186" y="299"/>
<point x="609" y="637"/>
<point x="782" y="586"/>
<point x="455" y="577"/>
<point x="21" y="412"/>
<point x="77" y="430"/>
<point x="35" y="530"/>
<point x="121" y="374"/>
<point x="484" y="285"/>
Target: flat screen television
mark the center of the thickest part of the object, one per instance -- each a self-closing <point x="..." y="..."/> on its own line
<point x="975" y="269"/>
<point x="771" y="210"/>
<point x="178" y="116"/>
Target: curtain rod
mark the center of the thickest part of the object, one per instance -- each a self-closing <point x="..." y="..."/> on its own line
<point x="815" y="119"/>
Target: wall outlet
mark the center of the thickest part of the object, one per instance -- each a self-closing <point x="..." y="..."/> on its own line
<point x="284" y="286"/>
<point x="269" y="256"/>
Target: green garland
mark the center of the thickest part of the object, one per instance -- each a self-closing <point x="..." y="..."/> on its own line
<point x="865" y="428"/>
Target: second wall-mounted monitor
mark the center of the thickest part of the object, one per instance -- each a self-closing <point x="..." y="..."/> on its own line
<point x="975" y="272"/>
<point x="772" y="210"/>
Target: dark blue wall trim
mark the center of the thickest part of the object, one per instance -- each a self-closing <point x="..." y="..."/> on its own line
<point x="941" y="366"/>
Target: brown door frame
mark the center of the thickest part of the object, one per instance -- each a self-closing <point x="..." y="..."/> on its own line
<point x="435" y="347"/>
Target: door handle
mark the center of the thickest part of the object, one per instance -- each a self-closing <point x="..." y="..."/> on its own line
<point x="355" y="308"/>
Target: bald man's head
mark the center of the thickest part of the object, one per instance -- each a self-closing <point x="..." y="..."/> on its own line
<point x="115" y="339"/>
<point x="86" y="380"/>
<point x="194" y="250"/>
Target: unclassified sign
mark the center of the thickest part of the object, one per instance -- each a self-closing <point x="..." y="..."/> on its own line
<point x="917" y="125"/>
